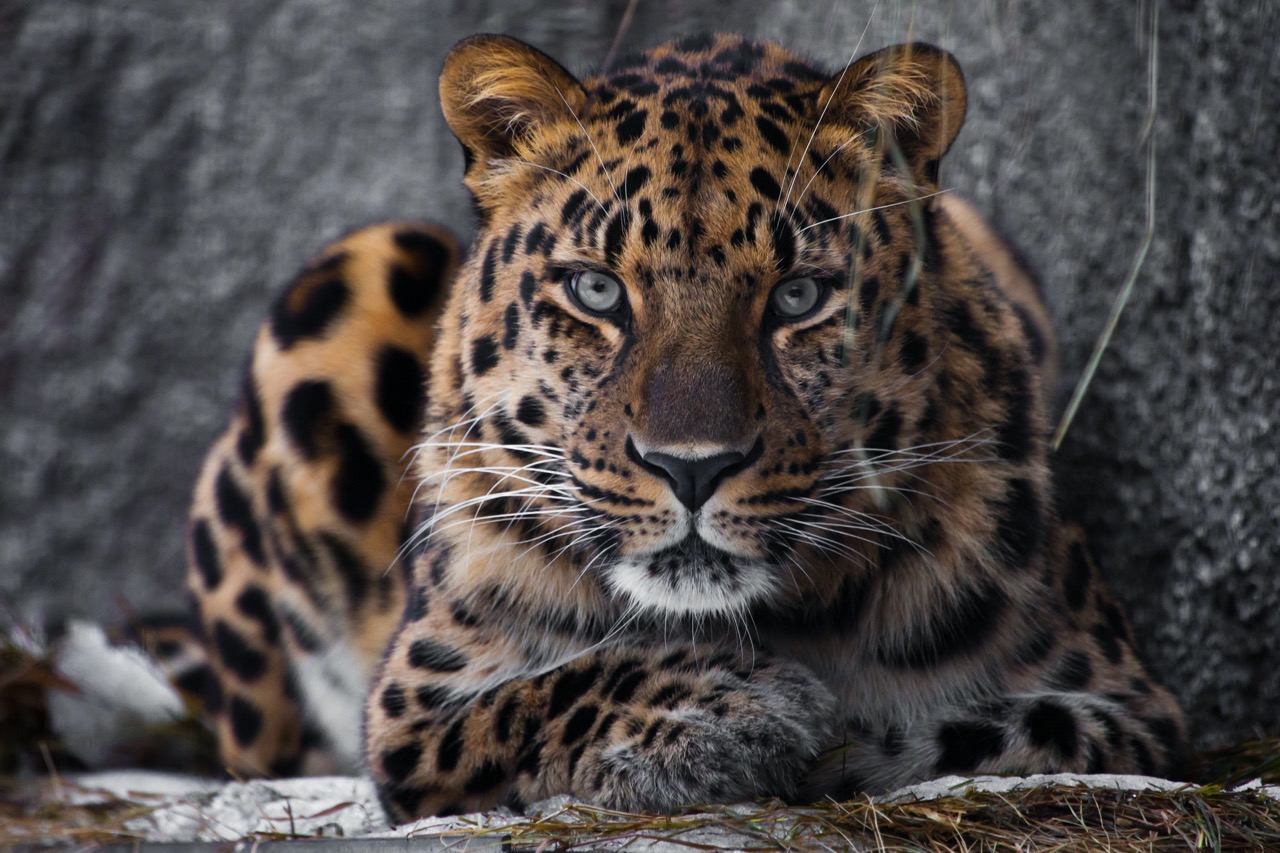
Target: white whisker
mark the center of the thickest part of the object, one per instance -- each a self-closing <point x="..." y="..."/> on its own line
<point x="877" y="207"/>
<point x="599" y="204"/>
<point x="848" y="64"/>
<point x="592" y="143"/>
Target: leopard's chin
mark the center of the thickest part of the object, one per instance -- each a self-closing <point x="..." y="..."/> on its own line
<point x="692" y="577"/>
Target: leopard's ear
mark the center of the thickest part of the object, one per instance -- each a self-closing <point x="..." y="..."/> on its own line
<point x="910" y="98"/>
<point x="498" y="92"/>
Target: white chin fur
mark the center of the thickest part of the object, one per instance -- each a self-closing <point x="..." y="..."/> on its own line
<point x="692" y="591"/>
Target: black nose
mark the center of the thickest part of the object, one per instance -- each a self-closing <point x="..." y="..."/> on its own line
<point x="692" y="480"/>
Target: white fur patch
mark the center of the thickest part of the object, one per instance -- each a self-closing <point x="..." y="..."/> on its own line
<point x="333" y="685"/>
<point x="693" y="589"/>
<point x="118" y="689"/>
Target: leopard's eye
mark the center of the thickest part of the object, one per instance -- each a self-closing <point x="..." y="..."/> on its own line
<point x="595" y="292"/>
<point x="796" y="298"/>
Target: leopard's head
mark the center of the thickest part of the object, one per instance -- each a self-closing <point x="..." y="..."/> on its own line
<point x="698" y="316"/>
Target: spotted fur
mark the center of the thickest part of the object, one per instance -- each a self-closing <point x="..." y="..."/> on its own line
<point x="692" y="544"/>
<point x="300" y="509"/>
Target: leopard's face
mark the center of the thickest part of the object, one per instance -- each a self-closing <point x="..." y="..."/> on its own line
<point x="676" y="322"/>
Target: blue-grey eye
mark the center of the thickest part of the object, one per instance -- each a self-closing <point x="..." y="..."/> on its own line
<point x="795" y="298"/>
<point x="595" y="292"/>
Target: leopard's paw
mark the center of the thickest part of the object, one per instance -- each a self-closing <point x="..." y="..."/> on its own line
<point x="735" y="736"/>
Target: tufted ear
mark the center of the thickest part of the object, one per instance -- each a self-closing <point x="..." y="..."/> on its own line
<point x="496" y="92"/>
<point x="911" y="95"/>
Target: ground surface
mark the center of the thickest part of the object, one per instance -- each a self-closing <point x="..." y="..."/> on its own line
<point x="165" y="167"/>
<point x="91" y="701"/>
<point x="155" y="808"/>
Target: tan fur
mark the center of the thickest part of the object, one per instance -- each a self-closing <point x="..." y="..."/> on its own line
<point x="341" y="358"/>
<point x="497" y="93"/>
<point x="1010" y="275"/>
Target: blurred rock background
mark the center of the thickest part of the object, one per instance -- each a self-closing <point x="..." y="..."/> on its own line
<point x="164" y="168"/>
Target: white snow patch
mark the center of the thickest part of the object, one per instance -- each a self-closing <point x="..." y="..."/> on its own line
<point x="336" y="806"/>
<point x="469" y="823"/>
<point x="1272" y="791"/>
<point x="140" y="786"/>
<point x="959" y="786"/>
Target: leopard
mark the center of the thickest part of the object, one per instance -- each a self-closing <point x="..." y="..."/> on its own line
<point x="716" y="467"/>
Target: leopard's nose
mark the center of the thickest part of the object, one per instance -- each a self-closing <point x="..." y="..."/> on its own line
<point x="693" y="479"/>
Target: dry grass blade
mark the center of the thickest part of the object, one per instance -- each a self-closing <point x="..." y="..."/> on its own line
<point x="26" y="742"/>
<point x="1148" y="237"/>
<point x="27" y="816"/>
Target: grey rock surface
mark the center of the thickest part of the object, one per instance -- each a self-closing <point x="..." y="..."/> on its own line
<point x="165" y="167"/>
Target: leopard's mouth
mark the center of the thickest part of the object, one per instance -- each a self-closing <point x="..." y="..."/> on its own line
<point x="693" y="550"/>
<point x="692" y="576"/>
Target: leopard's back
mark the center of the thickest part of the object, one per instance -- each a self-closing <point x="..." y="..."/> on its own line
<point x="1012" y="273"/>
<point x="301" y="507"/>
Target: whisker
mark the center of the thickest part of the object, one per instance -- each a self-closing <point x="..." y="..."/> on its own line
<point x="514" y="516"/>
<point x="544" y="449"/>
<point x="592" y="143"/>
<point x="581" y="538"/>
<point x="584" y="187"/>
<point x="449" y="463"/>
<point x="502" y="474"/>
<point x="855" y="518"/>
<point x="877" y="207"/>
<point x="427" y="528"/>
<point x="975" y="439"/>
<point x="826" y="544"/>
<point x="849" y="64"/>
<point x="602" y="554"/>
<point x="571" y="528"/>
<point x="861" y="471"/>
<point x="804" y="191"/>
<point x="415" y="450"/>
